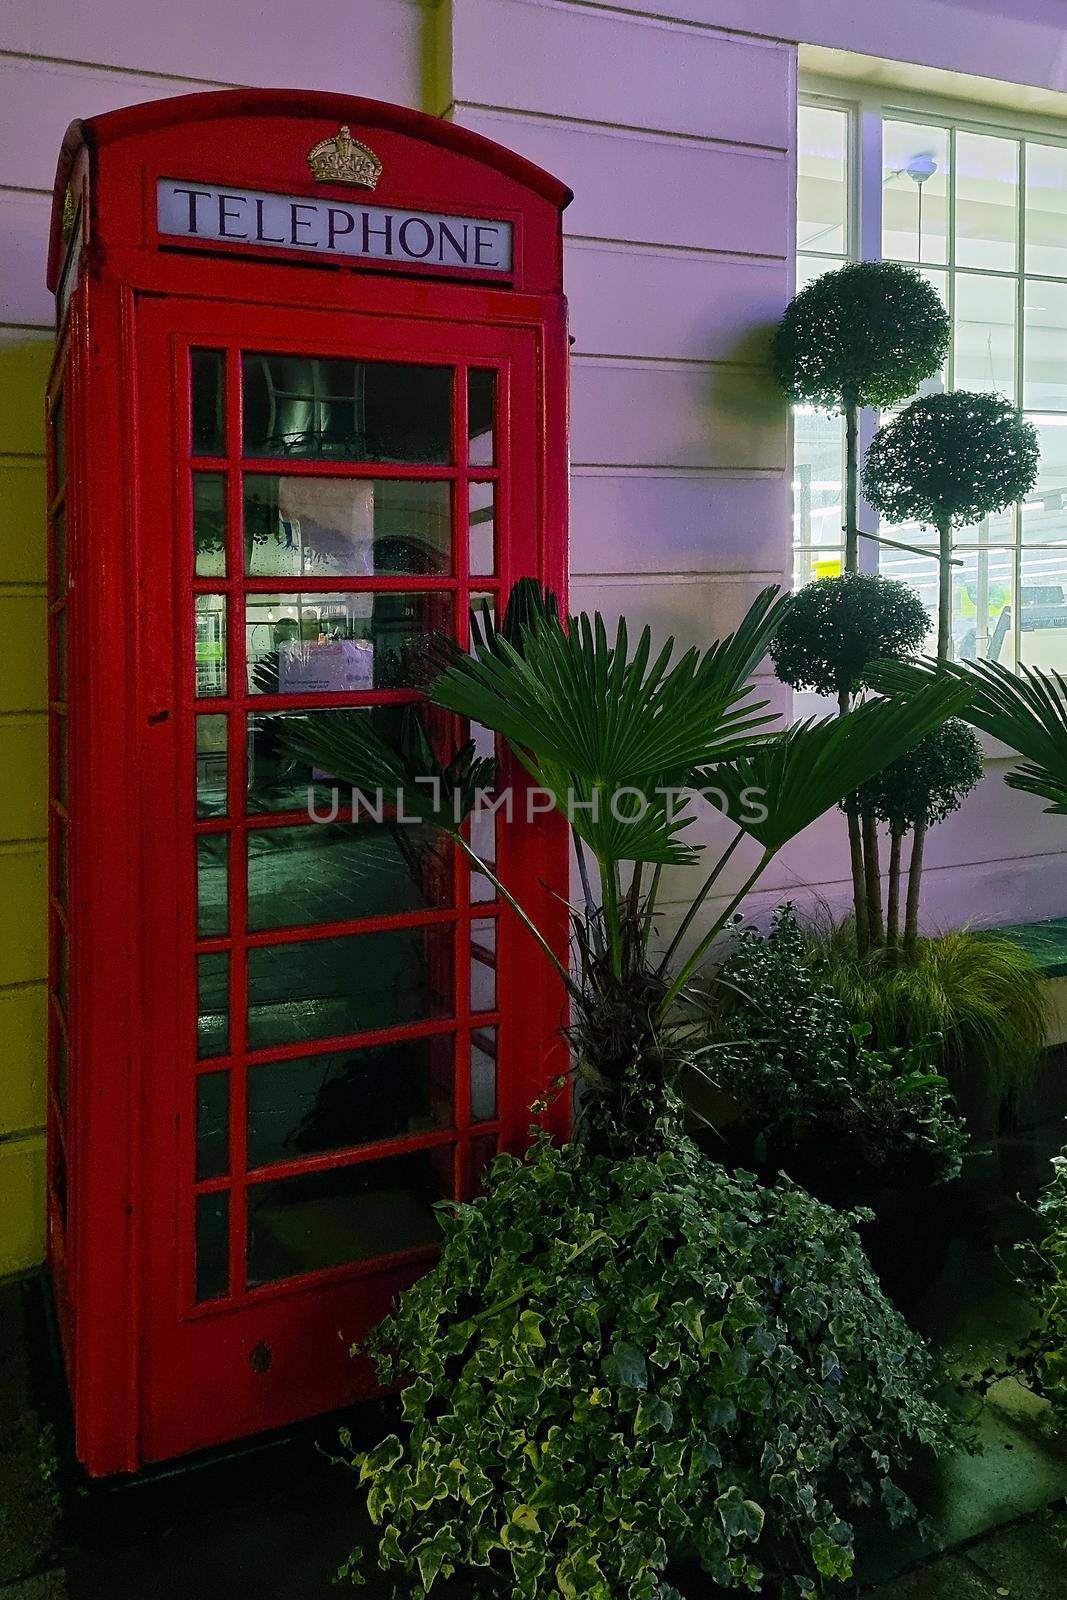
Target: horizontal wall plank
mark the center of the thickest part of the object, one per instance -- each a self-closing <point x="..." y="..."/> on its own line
<point x="22" y="1180"/>
<point x="23" y="777"/>
<point x="602" y="66"/>
<point x="367" y="49"/>
<point x="23" y="1043"/>
<point x="695" y="611"/>
<point x="24" y="680"/>
<point x="24" y="296"/>
<point x="39" y="99"/>
<point x="641" y="414"/>
<point x="637" y="301"/>
<point x="673" y="523"/>
<point x="23" y="938"/>
<point x="655" y="190"/>
<point x="22" y="520"/>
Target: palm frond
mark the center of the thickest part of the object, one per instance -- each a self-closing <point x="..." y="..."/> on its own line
<point x="1026" y="709"/>
<point x="778" y="787"/>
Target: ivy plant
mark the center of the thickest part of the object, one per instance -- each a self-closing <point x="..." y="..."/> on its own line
<point x="620" y="1364"/>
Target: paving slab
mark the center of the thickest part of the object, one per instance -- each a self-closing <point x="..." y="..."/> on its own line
<point x="950" y="1578"/>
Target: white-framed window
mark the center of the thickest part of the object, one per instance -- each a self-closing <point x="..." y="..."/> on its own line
<point x="980" y="207"/>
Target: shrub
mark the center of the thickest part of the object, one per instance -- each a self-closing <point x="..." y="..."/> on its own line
<point x="838" y="627"/>
<point x="951" y="458"/>
<point x="930" y="783"/>
<point x="976" y="1000"/>
<point x="616" y="1363"/>
<point x="1042" y="1361"/>
<point x="866" y="334"/>
<point x="821" y="1102"/>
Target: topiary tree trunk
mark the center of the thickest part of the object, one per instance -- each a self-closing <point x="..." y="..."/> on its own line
<point x="852" y="478"/>
<point x="892" y="926"/>
<point x="873" y="875"/>
<point x="944" y="589"/>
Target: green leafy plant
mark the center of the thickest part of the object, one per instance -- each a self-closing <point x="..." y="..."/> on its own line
<point x="617" y="1363"/>
<point x="864" y="335"/>
<point x="827" y="642"/>
<point x="813" y="1096"/>
<point x="947" y="460"/>
<point x="911" y="796"/>
<point x="1041" y="1360"/>
<point x="976" y="999"/>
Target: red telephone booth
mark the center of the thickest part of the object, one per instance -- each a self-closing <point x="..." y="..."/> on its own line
<point x="308" y="407"/>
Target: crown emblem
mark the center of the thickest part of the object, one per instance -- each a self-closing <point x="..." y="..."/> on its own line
<point x="343" y="159"/>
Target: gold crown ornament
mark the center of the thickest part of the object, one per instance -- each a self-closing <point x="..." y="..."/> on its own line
<point x="343" y="159"/>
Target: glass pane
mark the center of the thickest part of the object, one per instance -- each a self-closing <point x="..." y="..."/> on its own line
<point x="61" y="775"/>
<point x="347" y="1098"/>
<point x="59" y="445"/>
<point x="822" y="180"/>
<point x="981" y="599"/>
<point x="62" y="862"/>
<point x="62" y="969"/>
<point x="483" y="1074"/>
<point x="985" y="334"/>
<point x="1044" y="514"/>
<point x="482" y="529"/>
<point x="211" y="766"/>
<point x="339" y="527"/>
<point x="318" y="408"/>
<point x="483" y="843"/>
<point x="1043" y="609"/>
<point x="987" y="184"/>
<point x="208" y="402"/>
<point x="209" y="524"/>
<point x="811" y="564"/>
<point x="212" y="1245"/>
<point x="213" y="1004"/>
<point x="59" y="636"/>
<point x="342" y="643"/>
<point x="818" y="480"/>
<point x="212" y="884"/>
<point x="210" y="645"/>
<point x="59" y="554"/>
<point x="335" y="872"/>
<point x="1045" y="346"/>
<point x="914" y="192"/>
<point x="61" y="1069"/>
<point x="279" y="781"/>
<point x="212" y="1125"/>
<point x="357" y="983"/>
<point x="483" y="1151"/>
<point x="483" y="965"/>
<point x="328" y="1219"/>
<point x="481" y="407"/>
<point x="811" y="267"/>
<point x="1046" y="209"/>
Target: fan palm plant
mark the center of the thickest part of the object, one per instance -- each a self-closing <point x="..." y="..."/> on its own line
<point x="621" y="740"/>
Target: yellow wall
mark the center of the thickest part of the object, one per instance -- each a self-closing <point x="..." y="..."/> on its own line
<point x="24" y="359"/>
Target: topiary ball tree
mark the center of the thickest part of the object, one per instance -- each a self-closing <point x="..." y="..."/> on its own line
<point x="865" y="335"/>
<point x="837" y="628"/>
<point x="948" y="460"/>
<point x="914" y="794"/>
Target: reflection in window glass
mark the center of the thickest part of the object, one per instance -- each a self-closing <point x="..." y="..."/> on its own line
<point x="1045" y="346"/>
<point x="483" y="965"/>
<point x="346" y="528"/>
<point x="1043" y="610"/>
<point x="822" y="180"/>
<point x="987" y="183"/>
<point x="984" y="339"/>
<point x="915" y="163"/>
<point x="343" y="643"/>
<point x="482" y="531"/>
<point x="328" y="1219"/>
<point x="337" y="872"/>
<point x="278" y="780"/>
<point x="346" y="1098"/>
<point x="319" y="988"/>
<point x="209" y="524"/>
<point x="211" y="765"/>
<point x="483" y="1074"/>
<point x="319" y="408"/>
<point x="210" y="645"/>
<point x="483" y="843"/>
<point x="481" y="407"/>
<point x="1046" y="209"/>
<point x="212" y="1245"/>
<point x="59" y="554"/>
<point x="208" y="402"/>
<point x="212" y="884"/>
<point x="59" y="444"/>
<point x="212" y="1125"/>
<point x="213" y="1004"/>
<point x="59" y="656"/>
<point x="1044" y="512"/>
<point x="61" y="1070"/>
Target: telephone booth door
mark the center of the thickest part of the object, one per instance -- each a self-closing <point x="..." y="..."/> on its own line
<point x="339" y="992"/>
<point x="288" y="452"/>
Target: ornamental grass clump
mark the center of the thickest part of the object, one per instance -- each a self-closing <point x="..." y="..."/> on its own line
<point x="622" y="1369"/>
